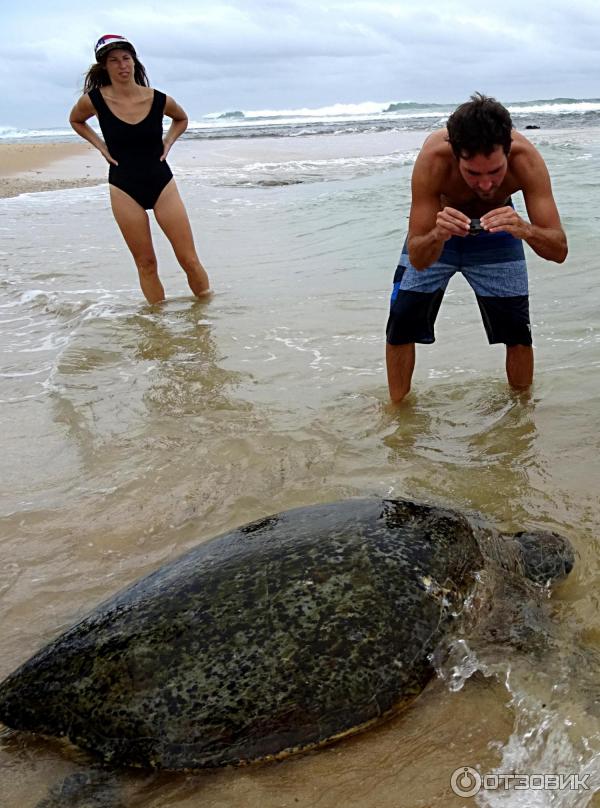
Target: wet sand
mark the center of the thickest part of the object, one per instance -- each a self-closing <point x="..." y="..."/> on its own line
<point x="33" y="167"/>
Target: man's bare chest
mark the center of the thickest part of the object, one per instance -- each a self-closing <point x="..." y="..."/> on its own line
<point x="458" y="195"/>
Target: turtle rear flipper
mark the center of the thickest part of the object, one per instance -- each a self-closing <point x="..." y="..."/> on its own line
<point x="94" y="788"/>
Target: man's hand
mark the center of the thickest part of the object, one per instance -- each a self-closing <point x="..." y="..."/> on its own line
<point x="506" y="219"/>
<point x="451" y="222"/>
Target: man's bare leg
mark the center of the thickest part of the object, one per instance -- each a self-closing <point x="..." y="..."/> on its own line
<point x="400" y="360"/>
<point x="519" y="366"/>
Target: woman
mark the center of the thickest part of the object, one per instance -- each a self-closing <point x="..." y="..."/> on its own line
<point x="130" y="115"/>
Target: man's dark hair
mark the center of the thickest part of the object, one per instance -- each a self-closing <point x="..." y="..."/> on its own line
<point x="478" y="126"/>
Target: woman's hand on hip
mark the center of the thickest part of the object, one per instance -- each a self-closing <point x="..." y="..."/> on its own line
<point x="107" y="156"/>
<point x="166" y="150"/>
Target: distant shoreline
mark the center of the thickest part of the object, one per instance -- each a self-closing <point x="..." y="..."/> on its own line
<point x="367" y="116"/>
<point x="50" y="165"/>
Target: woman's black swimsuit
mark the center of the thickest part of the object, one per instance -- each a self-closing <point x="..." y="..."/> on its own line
<point x="137" y="147"/>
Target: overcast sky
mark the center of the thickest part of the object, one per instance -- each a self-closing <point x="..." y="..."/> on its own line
<point x="282" y="54"/>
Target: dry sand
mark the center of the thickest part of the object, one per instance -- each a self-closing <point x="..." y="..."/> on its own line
<point x="33" y="167"/>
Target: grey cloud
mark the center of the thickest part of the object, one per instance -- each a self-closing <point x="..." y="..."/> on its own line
<point x="274" y="53"/>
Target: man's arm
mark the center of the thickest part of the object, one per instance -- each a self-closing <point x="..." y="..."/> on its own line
<point x="544" y="232"/>
<point x="429" y="227"/>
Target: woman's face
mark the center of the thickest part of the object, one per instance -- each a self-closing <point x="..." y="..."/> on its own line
<point x="120" y="66"/>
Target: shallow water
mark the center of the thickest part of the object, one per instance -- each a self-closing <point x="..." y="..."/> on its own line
<point x="132" y="432"/>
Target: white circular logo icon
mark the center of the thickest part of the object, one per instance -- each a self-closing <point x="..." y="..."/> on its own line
<point x="465" y="781"/>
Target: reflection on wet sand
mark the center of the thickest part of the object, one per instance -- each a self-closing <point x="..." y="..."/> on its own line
<point x="187" y="381"/>
<point x="157" y="391"/>
<point x="463" y="445"/>
<point x="150" y="363"/>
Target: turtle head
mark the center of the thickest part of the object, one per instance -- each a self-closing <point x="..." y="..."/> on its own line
<point x="544" y="556"/>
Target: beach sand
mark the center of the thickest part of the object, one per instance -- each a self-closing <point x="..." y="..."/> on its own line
<point x="33" y="167"/>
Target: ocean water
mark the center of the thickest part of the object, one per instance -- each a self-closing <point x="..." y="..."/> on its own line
<point x="133" y="432"/>
<point x="348" y="118"/>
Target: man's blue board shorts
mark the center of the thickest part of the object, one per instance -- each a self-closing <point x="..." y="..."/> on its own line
<point x="494" y="266"/>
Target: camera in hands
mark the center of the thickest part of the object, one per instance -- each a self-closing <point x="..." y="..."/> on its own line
<point x="475" y="228"/>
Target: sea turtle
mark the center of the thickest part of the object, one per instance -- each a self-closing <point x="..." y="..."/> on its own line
<point x="280" y="636"/>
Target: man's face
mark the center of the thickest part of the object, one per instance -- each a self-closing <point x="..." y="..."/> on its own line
<point x="484" y="173"/>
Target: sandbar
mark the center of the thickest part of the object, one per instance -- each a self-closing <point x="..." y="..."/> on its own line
<point x="34" y="167"/>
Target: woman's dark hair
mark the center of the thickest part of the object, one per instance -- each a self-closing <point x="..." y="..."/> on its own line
<point x="478" y="126"/>
<point x="97" y="75"/>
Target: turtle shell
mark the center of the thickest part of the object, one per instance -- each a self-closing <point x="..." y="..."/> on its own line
<point x="279" y="636"/>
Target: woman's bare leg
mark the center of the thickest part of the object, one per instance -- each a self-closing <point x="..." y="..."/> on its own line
<point x="172" y="218"/>
<point x="135" y="226"/>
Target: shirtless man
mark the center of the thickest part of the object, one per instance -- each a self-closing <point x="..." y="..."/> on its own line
<point x="462" y="220"/>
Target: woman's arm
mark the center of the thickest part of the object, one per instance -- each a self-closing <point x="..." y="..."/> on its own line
<point x="179" y="123"/>
<point x="80" y="113"/>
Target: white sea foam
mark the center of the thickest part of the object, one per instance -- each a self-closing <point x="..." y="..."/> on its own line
<point x="402" y="109"/>
<point x="19" y="133"/>
<point x="300" y="171"/>
<point x="308" y="117"/>
<point x="557" y="108"/>
<point x="334" y="113"/>
<point x="365" y="108"/>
